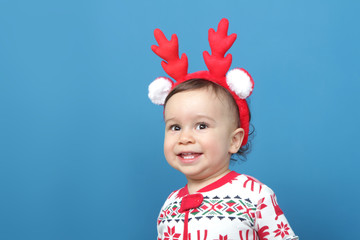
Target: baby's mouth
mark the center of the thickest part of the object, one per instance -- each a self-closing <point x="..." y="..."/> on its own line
<point x="188" y="156"/>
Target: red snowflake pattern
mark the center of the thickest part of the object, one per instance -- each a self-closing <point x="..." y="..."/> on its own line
<point x="171" y="235"/>
<point x="282" y="230"/>
<point x="261" y="205"/>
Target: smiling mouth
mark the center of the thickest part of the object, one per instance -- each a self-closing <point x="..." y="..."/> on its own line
<point x="188" y="157"/>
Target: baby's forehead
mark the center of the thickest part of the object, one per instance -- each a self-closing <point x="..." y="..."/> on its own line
<point x="219" y="93"/>
<point x="227" y="101"/>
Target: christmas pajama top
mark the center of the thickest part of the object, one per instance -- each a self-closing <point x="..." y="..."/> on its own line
<point x="235" y="207"/>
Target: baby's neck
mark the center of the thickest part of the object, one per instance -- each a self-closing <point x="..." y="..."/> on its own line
<point x="195" y="185"/>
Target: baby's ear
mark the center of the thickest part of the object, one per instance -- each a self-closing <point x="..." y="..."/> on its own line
<point x="236" y="140"/>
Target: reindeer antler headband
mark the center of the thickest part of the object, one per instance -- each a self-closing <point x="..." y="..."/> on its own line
<point x="237" y="81"/>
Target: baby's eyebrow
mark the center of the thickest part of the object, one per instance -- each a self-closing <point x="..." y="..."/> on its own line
<point x="206" y="117"/>
<point x="169" y="119"/>
<point x="197" y="117"/>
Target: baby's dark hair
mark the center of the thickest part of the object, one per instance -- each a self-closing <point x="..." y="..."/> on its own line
<point x="194" y="84"/>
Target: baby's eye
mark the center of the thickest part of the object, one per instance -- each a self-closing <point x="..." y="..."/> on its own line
<point x="174" y="127"/>
<point x="201" y="126"/>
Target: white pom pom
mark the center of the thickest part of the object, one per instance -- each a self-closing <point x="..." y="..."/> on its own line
<point x="240" y="82"/>
<point x="159" y="89"/>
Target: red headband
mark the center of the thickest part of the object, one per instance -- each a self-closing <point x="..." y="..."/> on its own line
<point x="237" y="81"/>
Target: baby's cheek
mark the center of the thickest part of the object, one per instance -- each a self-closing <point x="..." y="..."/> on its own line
<point x="168" y="150"/>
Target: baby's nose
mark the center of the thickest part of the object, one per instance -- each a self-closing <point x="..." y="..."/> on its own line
<point x="186" y="137"/>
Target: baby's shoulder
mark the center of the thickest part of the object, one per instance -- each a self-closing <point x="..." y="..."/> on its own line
<point x="248" y="185"/>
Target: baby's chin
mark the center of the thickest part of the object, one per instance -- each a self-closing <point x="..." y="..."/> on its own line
<point x="197" y="174"/>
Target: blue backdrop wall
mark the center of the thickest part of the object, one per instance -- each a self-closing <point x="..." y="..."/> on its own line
<point x="81" y="145"/>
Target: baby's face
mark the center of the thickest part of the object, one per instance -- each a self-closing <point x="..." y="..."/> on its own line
<point x="200" y="134"/>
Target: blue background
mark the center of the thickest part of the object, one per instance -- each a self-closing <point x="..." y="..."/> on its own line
<point x="81" y="144"/>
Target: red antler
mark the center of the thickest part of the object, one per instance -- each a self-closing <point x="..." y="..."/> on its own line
<point x="220" y="43"/>
<point x="169" y="51"/>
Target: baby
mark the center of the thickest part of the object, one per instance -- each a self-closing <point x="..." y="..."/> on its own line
<point x="206" y="123"/>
